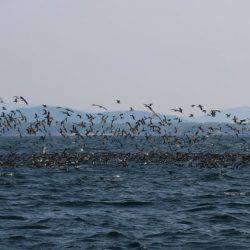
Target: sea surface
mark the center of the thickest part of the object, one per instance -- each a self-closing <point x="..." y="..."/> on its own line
<point x="115" y="207"/>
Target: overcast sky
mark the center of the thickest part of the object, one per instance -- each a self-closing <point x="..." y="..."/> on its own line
<point x="169" y="52"/>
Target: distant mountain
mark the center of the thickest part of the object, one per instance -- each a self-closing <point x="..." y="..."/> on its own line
<point x="121" y="116"/>
<point x="129" y="116"/>
<point x="240" y="112"/>
<point x="54" y="111"/>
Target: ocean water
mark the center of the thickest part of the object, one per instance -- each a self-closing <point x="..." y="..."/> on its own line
<point x="153" y="206"/>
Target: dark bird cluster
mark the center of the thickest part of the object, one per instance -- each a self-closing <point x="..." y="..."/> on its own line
<point x="151" y="135"/>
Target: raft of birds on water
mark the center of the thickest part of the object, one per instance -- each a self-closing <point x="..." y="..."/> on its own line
<point x="120" y="138"/>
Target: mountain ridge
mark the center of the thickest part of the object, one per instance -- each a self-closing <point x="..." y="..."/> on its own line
<point x="124" y="116"/>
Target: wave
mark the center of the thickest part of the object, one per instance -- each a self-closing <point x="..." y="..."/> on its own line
<point x="125" y="203"/>
<point x="12" y="217"/>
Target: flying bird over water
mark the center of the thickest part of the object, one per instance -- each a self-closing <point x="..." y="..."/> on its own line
<point x="178" y="110"/>
<point x="23" y="100"/>
<point x="213" y="112"/>
<point x="99" y="106"/>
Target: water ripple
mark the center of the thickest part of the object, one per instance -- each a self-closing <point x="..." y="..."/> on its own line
<point x="137" y="207"/>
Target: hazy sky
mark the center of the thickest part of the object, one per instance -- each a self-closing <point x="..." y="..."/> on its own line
<point x="169" y="52"/>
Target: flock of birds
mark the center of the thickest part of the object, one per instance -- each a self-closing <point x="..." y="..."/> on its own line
<point x="155" y="131"/>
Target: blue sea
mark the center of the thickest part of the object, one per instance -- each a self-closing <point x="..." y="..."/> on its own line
<point x="97" y="206"/>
